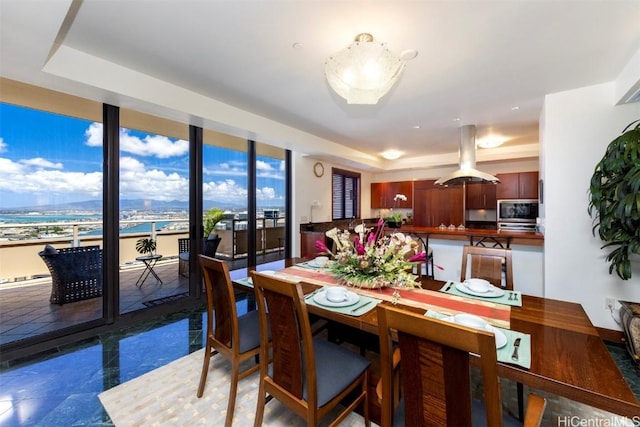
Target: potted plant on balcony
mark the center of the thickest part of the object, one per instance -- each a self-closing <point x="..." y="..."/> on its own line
<point x="211" y="241"/>
<point x="146" y="245"/>
<point x="614" y="201"/>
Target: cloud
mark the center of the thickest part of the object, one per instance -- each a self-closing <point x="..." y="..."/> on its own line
<point x="262" y="166"/>
<point x="158" y="146"/>
<point x="128" y="164"/>
<point x="3" y="145"/>
<point x="267" y="193"/>
<point x="39" y="162"/>
<point x="228" y="191"/>
<point x="48" y="186"/>
<point x="93" y="134"/>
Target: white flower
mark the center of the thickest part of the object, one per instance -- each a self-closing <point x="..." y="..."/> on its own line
<point x="400" y="197"/>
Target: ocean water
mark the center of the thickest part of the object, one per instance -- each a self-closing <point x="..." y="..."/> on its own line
<point x="8" y="219"/>
<point x="36" y="218"/>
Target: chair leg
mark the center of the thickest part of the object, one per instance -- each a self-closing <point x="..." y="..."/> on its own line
<point x="205" y="370"/>
<point x="520" y="390"/>
<point x="260" y="405"/>
<point x="233" y="389"/>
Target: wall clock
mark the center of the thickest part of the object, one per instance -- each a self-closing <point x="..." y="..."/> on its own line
<point x="318" y="169"/>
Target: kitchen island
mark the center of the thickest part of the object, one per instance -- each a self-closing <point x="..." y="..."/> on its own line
<point x="527" y="252"/>
<point x="466" y="234"/>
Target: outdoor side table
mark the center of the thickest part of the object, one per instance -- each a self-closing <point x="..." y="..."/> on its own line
<point x="149" y="262"/>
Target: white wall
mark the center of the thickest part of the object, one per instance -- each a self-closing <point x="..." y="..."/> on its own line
<point x="578" y="126"/>
<point x="527" y="261"/>
<point x="307" y="187"/>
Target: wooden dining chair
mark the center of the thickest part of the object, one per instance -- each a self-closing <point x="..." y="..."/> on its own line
<point x="309" y="375"/>
<point x="436" y="385"/>
<point x="487" y="263"/>
<point x="236" y="338"/>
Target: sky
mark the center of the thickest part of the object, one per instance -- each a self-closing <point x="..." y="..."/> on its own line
<point x="47" y="158"/>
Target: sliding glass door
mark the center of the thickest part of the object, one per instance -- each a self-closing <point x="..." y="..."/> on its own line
<point x="50" y="213"/>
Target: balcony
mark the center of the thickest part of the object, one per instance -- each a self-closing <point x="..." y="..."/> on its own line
<point x="25" y="282"/>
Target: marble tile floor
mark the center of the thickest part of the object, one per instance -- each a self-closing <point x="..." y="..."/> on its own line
<point x="61" y="389"/>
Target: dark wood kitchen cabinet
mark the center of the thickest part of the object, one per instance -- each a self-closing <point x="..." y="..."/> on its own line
<point x="523" y="185"/>
<point x="382" y="194"/>
<point x="481" y="195"/>
<point x="435" y="205"/>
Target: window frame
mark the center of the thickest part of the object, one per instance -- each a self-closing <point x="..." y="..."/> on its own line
<point x="356" y="207"/>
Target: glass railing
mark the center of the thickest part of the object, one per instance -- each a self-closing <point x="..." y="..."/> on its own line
<point x="20" y="243"/>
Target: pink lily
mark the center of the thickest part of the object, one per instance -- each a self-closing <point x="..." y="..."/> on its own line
<point x="321" y="247"/>
<point x="418" y="257"/>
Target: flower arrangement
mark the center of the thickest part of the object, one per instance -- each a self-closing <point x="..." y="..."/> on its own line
<point x="372" y="259"/>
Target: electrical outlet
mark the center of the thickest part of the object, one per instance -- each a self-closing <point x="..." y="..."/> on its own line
<point x="609" y="303"/>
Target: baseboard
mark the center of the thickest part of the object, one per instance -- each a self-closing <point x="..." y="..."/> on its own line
<point x="610" y="335"/>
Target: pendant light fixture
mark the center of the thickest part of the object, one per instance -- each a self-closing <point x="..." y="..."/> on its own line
<point x="364" y="71"/>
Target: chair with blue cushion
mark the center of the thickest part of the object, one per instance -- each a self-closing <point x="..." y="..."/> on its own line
<point x="433" y="357"/>
<point x="236" y="338"/>
<point x="288" y="367"/>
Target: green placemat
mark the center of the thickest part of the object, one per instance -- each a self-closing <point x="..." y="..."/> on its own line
<point x="513" y="298"/>
<point x="505" y="354"/>
<point x="310" y="266"/>
<point x="364" y="305"/>
<point x="524" y="349"/>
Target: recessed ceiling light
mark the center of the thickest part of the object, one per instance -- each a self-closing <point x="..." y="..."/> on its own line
<point x="416" y="126"/>
<point x="456" y="119"/>
<point x="391" y="154"/>
<point x="297" y="45"/>
<point x="491" y="141"/>
<point x="515" y="108"/>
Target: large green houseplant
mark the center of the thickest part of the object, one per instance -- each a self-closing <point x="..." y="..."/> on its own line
<point x="614" y="201"/>
<point x="211" y="218"/>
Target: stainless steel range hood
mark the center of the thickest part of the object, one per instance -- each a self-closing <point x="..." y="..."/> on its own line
<point x="467" y="171"/>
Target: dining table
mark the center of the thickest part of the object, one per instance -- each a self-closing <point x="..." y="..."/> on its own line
<point x="567" y="356"/>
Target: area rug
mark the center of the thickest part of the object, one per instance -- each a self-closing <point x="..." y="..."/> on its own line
<point x="163" y="300"/>
<point x="167" y="397"/>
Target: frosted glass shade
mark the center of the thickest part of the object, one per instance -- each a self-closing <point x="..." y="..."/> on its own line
<point x="363" y="72"/>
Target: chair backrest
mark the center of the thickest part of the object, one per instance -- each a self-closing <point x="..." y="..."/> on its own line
<point x="436" y="385"/>
<point x="292" y="356"/>
<point x="221" y="306"/>
<point x="183" y="245"/>
<point x="487" y="264"/>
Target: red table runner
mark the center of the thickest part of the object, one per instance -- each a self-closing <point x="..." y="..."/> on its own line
<point x="496" y="314"/>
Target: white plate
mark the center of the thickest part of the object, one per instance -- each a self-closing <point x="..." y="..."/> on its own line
<point x="478" y="285"/>
<point x="279" y="275"/>
<point x="501" y="338"/>
<point x="470" y="320"/>
<point x="491" y="293"/>
<point x="313" y="263"/>
<point x="321" y="298"/>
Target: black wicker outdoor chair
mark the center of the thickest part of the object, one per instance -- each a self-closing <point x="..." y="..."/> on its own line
<point x="76" y="273"/>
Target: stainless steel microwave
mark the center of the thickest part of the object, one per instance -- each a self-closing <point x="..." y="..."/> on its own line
<point x="517" y="211"/>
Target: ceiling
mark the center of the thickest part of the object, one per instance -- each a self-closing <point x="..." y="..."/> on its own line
<point x="232" y="66"/>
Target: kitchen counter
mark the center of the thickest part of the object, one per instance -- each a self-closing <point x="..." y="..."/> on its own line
<point x="515" y="237"/>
